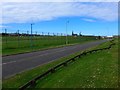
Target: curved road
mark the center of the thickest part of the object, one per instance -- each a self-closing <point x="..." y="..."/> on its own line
<point x="14" y="64"/>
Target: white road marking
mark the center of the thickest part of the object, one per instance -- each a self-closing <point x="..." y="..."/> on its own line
<point x="9" y="62"/>
<point x="32" y="57"/>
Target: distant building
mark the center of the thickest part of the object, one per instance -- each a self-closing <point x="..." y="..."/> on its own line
<point x="74" y="34"/>
<point x="80" y="34"/>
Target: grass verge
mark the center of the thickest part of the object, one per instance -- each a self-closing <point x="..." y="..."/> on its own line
<point x="97" y="70"/>
<point x="13" y="45"/>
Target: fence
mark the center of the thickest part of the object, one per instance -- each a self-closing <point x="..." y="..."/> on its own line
<point x="24" y="42"/>
<point x="20" y="36"/>
<point x="32" y="82"/>
<point x="21" y="40"/>
<point x="33" y="33"/>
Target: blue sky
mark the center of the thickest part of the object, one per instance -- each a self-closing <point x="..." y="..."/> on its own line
<point x="87" y="18"/>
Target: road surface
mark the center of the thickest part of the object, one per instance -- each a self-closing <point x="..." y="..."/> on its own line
<point x="14" y="64"/>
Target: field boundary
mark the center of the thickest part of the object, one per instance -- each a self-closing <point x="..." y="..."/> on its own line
<point x="59" y="46"/>
<point x="32" y="82"/>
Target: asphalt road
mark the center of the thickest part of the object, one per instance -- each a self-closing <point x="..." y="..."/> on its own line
<point x="14" y="64"/>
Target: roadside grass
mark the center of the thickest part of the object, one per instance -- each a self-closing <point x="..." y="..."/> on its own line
<point x="97" y="70"/>
<point x="15" y="45"/>
<point x="76" y="74"/>
<point x="21" y="78"/>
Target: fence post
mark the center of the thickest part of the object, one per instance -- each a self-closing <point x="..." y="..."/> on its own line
<point x="53" y="34"/>
<point x="36" y="33"/>
<point x="28" y="34"/>
<point x="42" y="33"/>
<point x="31" y="36"/>
<point x="79" y="56"/>
<point x="48" y="33"/>
<point x="73" y="59"/>
<point x="52" y="70"/>
<point x="33" y="83"/>
<point x="65" y="64"/>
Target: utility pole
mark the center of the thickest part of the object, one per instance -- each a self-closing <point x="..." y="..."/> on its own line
<point x="66" y="32"/>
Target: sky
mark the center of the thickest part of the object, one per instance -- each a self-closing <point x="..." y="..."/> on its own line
<point x="89" y="18"/>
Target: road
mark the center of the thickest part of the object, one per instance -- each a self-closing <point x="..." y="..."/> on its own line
<point x="14" y="64"/>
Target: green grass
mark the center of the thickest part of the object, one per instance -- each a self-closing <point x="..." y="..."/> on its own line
<point x="84" y="74"/>
<point x="14" y="44"/>
<point x="21" y="78"/>
<point x="98" y="70"/>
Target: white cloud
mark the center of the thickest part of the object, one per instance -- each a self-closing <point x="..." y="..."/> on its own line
<point x="26" y="12"/>
<point x="88" y="20"/>
<point x="60" y="0"/>
<point x="4" y="26"/>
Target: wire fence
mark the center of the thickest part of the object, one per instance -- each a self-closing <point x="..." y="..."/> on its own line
<point x="31" y="33"/>
<point x="25" y="41"/>
<point x="19" y="36"/>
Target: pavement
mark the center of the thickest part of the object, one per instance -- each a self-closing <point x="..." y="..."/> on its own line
<point x="15" y="64"/>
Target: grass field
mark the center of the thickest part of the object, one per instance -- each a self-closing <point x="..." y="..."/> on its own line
<point x="97" y="70"/>
<point x="15" y="44"/>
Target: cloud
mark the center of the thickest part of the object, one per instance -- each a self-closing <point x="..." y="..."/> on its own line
<point x="4" y="26"/>
<point x="60" y="1"/>
<point x="88" y="20"/>
<point x="42" y="11"/>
